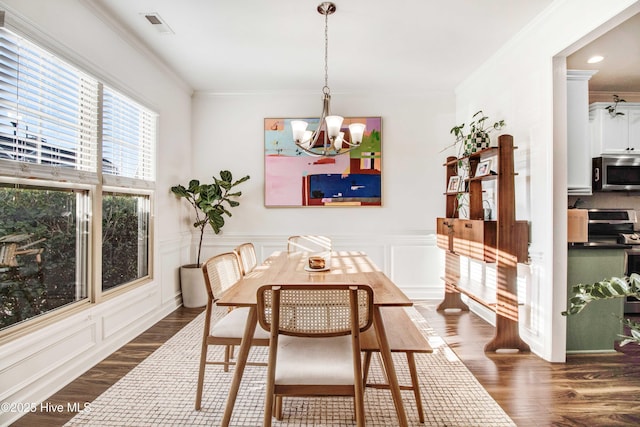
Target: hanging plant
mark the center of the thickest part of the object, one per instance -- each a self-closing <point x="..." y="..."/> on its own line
<point x="612" y="109"/>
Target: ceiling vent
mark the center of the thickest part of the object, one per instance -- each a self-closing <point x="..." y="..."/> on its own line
<point x="158" y="23"/>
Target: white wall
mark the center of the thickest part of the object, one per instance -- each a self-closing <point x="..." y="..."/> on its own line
<point x="37" y="364"/>
<point x="517" y="84"/>
<point x="228" y="134"/>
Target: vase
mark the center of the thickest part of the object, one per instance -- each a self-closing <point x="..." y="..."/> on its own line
<point x="476" y="142"/>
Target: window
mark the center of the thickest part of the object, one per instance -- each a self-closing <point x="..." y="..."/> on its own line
<point x="125" y="238"/>
<point x="128" y="138"/>
<point x="49" y="110"/>
<point x="68" y="144"/>
<point x="42" y="231"/>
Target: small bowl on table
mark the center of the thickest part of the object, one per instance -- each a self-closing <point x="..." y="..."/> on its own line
<point x="317" y="263"/>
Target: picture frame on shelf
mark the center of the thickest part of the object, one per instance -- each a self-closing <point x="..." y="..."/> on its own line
<point x="483" y="168"/>
<point x="454" y="184"/>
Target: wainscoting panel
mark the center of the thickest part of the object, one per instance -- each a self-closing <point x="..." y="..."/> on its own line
<point x="172" y="254"/>
<point x="29" y="362"/>
<point x="418" y="269"/>
<point x="136" y="307"/>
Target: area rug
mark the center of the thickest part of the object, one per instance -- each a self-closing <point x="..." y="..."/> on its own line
<point x="161" y="390"/>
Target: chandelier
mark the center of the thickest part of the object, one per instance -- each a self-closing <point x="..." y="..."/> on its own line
<point x="333" y="141"/>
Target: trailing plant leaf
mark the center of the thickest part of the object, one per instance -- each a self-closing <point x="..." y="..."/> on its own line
<point x="207" y="202"/>
<point x="634" y="328"/>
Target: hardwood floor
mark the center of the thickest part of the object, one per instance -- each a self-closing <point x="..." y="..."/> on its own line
<point x="595" y="390"/>
<point x="601" y="390"/>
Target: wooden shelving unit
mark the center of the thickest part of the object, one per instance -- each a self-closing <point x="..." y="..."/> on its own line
<point x="503" y="241"/>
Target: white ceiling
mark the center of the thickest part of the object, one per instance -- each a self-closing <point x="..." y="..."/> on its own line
<point x="402" y="46"/>
<point x="620" y="47"/>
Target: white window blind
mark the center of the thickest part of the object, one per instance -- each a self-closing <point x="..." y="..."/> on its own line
<point x="128" y="139"/>
<point x="48" y="113"/>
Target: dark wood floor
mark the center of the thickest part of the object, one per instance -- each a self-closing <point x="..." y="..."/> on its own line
<point x="601" y="390"/>
<point x="585" y="391"/>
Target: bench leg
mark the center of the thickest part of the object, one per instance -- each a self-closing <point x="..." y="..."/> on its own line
<point x="277" y="407"/>
<point x="415" y="385"/>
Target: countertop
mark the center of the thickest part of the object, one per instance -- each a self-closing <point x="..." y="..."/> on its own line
<point x="601" y="245"/>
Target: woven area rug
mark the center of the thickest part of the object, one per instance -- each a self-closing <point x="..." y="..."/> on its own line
<point x="161" y="392"/>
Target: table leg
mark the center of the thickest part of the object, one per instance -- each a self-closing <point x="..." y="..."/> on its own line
<point x="389" y="367"/>
<point x="241" y="362"/>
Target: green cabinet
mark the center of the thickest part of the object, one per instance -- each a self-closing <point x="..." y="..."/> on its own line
<point x="597" y="326"/>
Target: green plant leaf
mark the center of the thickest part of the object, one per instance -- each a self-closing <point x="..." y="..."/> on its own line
<point x="241" y="180"/>
<point x="614" y="287"/>
<point x="207" y="200"/>
<point x="216" y="221"/>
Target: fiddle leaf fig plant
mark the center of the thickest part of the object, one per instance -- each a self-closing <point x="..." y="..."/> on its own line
<point x="614" y="287"/>
<point x="210" y="202"/>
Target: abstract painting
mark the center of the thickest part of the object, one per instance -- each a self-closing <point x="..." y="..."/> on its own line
<point x="294" y="178"/>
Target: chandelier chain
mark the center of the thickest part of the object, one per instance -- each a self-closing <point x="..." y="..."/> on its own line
<point x="325" y="89"/>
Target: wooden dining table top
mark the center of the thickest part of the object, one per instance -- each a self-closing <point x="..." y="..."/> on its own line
<point x="289" y="268"/>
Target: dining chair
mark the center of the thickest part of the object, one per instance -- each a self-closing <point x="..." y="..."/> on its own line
<point x="309" y="243"/>
<point x="221" y="272"/>
<point x="314" y="348"/>
<point x="248" y="259"/>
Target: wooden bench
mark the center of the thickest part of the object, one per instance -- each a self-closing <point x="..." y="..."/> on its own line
<point x="404" y="337"/>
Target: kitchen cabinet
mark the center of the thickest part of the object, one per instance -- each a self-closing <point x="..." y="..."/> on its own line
<point x="618" y="134"/>
<point x="634" y="127"/>
<point x="578" y="138"/>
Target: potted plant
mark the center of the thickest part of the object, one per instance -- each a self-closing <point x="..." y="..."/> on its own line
<point x="613" y="109"/>
<point x="615" y="287"/>
<point x="477" y="137"/>
<point x="210" y="203"/>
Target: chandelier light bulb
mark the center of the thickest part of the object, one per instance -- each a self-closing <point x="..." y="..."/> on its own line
<point x="333" y="126"/>
<point x="357" y="132"/>
<point x="337" y="143"/>
<point x="298" y="128"/>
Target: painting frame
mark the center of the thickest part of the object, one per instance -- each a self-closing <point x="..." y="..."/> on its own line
<point x="292" y="178"/>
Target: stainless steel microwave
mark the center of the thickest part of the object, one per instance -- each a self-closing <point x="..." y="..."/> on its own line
<point x="616" y="173"/>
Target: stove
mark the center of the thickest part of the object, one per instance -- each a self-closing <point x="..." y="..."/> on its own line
<point x="611" y="227"/>
<point x="614" y="228"/>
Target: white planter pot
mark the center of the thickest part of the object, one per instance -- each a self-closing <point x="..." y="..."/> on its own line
<point x="194" y="290"/>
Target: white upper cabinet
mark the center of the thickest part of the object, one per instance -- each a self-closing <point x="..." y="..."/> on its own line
<point x="634" y="128"/>
<point x="578" y="138"/>
<point x="617" y="132"/>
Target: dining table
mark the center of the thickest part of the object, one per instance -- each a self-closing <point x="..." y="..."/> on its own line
<point x="293" y="268"/>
